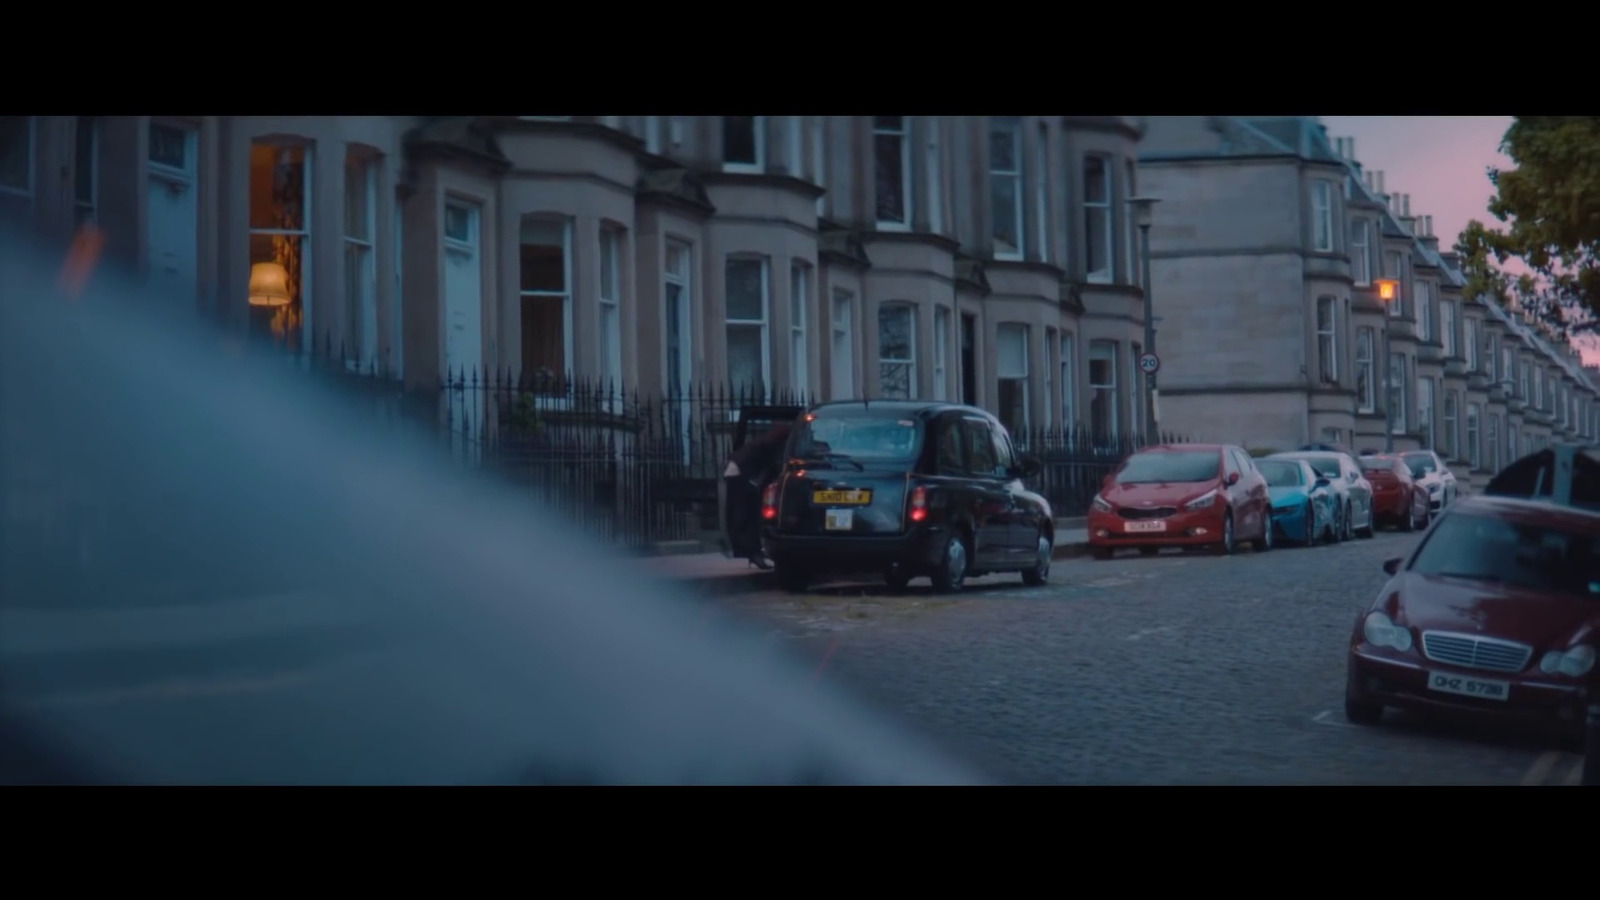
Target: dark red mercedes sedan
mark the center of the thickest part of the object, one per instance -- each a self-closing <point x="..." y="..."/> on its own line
<point x="1496" y="612"/>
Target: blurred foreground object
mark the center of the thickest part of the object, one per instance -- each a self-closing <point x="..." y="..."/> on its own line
<point x="82" y="258"/>
<point x="213" y="571"/>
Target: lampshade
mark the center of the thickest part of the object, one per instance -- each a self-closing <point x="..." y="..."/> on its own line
<point x="269" y="285"/>
<point x="1388" y="289"/>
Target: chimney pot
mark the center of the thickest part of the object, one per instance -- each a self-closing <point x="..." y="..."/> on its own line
<point x="1370" y="185"/>
<point x="1350" y="148"/>
<point x="1405" y="204"/>
<point x="1380" y="182"/>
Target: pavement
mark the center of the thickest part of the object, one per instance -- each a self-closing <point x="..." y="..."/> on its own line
<point x="1172" y="669"/>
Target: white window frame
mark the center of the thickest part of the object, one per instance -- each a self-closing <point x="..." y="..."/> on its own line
<point x="934" y="168"/>
<point x="1366" y="370"/>
<point x="1013" y="175"/>
<point x="84" y="210"/>
<point x="1447" y="327"/>
<point x="910" y="363"/>
<point x="942" y="317"/>
<point x="764" y="323"/>
<point x="361" y="312"/>
<point x="1395" y="396"/>
<point x="1103" y="209"/>
<point x="1361" y="252"/>
<point x="906" y="182"/>
<point x="1474" y="423"/>
<point x="1322" y="239"/>
<point x="843" y="331"/>
<point x="563" y="379"/>
<point x="1110" y="387"/>
<point x="1024" y="378"/>
<point x="819" y="160"/>
<point x="1327" y="339"/>
<point x="759" y="123"/>
<point x="799" y="347"/>
<point x="1452" y="424"/>
<point x="608" y="337"/>
<point x="1069" y="390"/>
<point x="308" y="332"/>
<point x="28" y="191"/>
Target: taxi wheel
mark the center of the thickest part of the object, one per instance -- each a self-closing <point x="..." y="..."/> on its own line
<point x="951" y="572"/>
<point x="1040" y="573"/>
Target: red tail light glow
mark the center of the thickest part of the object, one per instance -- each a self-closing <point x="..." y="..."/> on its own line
<point x="919" y="504"/>
<point x="769" y="501"/>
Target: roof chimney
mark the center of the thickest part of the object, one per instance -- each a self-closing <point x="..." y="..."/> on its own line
<point x="1405" y="204"/>
<point x="1370" y="185"/>
<point x="1350" y="148"/>
<point x="1380" y="182"/>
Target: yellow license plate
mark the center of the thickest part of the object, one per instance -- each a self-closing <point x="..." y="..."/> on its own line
<point x="842" y="497"/>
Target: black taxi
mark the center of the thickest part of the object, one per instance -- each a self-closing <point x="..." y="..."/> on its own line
<point x="908" y="489"/>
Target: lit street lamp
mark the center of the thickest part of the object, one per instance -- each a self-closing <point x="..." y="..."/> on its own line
<point x="1143" y="214"/>
<point x="1388" y="292"/>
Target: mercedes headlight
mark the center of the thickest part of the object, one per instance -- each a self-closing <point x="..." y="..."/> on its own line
<point x="1101" y="504"/>
<point x="1203" y="501"/>
<point x="1574" y="663"/>
<point x="1381" y="631"/>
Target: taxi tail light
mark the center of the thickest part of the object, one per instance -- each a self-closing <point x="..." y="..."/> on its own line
<point x="769" y="501"/>
<point x="919" y="504"/>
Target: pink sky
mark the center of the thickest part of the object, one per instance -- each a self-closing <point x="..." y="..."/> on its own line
<point x="1441" y="161"/>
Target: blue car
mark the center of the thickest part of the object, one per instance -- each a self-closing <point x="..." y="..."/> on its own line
<point x="1304" y="508"/>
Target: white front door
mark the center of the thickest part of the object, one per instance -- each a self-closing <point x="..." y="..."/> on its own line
<point x="462" y="315"/>
<point x="173" y="227"/>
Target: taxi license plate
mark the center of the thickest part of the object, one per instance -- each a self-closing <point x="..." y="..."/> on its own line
<point x="842" y="497"/>
<point x="1144" y="527"/>
<point x="1446" y="683"/>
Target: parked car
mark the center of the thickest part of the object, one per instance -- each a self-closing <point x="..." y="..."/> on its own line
<point x="1497" y="611"/>
<point x="1397" y="499"/>
<point x="1182" y="495"/>
<point x="1430" y="471"/>
<point x="1303" y="502"/>
<point x="1349" y="485"/>
<point x="908" y="489"/>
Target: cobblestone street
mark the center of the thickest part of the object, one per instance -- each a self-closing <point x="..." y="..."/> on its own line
<point x="1178" y="669"/>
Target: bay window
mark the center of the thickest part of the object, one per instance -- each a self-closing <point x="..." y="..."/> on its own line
<point x="891" y="159"/>
<point x="747" y="291"/>
<point x="1011" y="367"/>
<point x="897" y="351"/>
<point x="1005" y="188"/>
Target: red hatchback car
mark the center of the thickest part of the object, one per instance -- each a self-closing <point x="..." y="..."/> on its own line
<point x="1497" y="611"/>
<point x="1182" y="495"/>
<point x="1397" y="498"/>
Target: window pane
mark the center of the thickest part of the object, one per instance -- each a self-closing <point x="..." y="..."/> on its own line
<point x="169" y="146"/>
<point x="458" y="223"/>
<point x="1003" y="148"/>
<point x="739" y="139"/>
<point x="894" y="332"/>
<point x="544" y="345"/>
<point x="357" y="210"/>
<point x="890" y="169"/>
<point x="608" y="265"/>
<point x="1011" y="346"/>
<point x="1097" y="226"/>
<point x="277" y="187"/>
<point x="744" y="355"/>
<point x="544" y="257"/>
<point x="1006" y="203"/>
<point x="889" y="123"/>
<point x="1095" y="183"/>
<point x="745" y="292"/>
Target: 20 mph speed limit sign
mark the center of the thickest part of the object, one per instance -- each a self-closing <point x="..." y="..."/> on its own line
<point x="1149" y="363"/>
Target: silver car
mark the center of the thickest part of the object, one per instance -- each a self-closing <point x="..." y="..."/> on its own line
<point x="1353" y="513"/>
<point x="1430" y="471"/>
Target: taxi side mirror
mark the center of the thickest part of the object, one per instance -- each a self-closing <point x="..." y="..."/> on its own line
<point x="1232" y="479"/>
<point x="1029" y="466"/>
<point x="1392" y="566"/>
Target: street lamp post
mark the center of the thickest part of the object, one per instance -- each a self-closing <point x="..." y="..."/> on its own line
<point x="1143" y="214"/>
<point x="1388" y="292"/>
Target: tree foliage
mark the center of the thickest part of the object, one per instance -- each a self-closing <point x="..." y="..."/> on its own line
<point x="1549" y="205"/>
